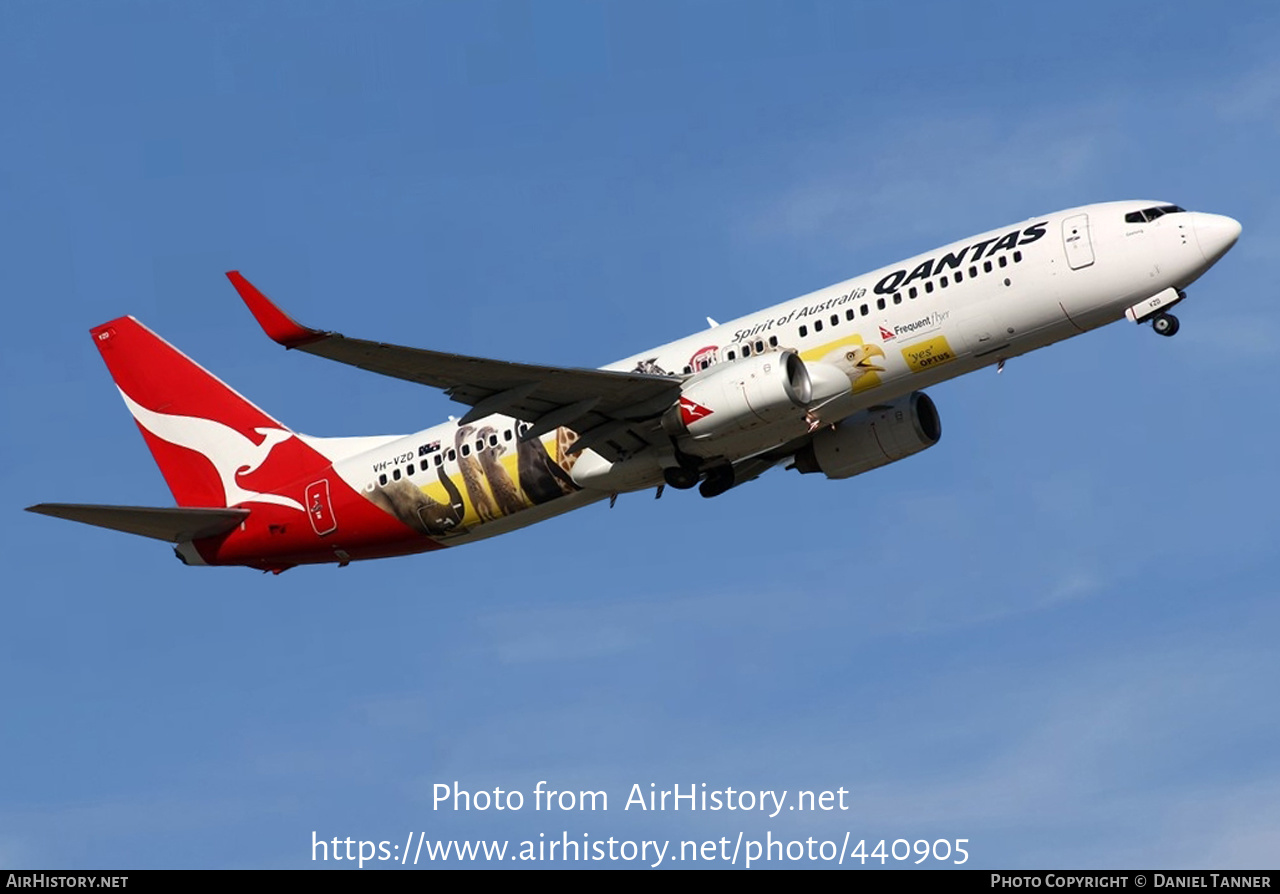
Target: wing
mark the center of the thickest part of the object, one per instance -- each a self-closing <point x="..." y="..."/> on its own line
<point x="616" y="414"/>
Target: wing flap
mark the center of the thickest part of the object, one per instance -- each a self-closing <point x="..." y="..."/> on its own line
<point x="175" y="525"/>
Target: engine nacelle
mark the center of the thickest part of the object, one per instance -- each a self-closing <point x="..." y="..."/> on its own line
<point x="742" y="395"/>
<point x="875" y="437"/>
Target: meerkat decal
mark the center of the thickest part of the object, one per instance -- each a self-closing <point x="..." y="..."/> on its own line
<point x="473" y="477"/>
<point x="505" y="492"/>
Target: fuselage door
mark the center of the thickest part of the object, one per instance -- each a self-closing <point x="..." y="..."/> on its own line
<point x="1075" y="239"/>
<point x="320" y="509"/>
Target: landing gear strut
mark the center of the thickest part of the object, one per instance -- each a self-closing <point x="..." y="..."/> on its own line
<point x="1165" y="324"/>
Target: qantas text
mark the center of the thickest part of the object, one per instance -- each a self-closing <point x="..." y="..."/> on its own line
<point x="954" y="259"/>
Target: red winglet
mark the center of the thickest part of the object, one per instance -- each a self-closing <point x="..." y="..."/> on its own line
<point x="282" y="328"/>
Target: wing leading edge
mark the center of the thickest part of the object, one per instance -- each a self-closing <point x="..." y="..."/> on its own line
<point x="616" y="414"/>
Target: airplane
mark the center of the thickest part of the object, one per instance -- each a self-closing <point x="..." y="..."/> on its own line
<point x="828" y="383"/>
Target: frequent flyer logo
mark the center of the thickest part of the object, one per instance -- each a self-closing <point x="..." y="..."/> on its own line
<point x="919" y="326"/>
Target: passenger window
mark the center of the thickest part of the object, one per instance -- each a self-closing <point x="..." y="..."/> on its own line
<point x="395" y="473"/>
<point x="804" y="330"/>
<point x="973" y="272"/>
<point x="438" y="460"/>
<point x="452" y="454"/>
<point x="1017" y="257"/>
<point x="865" y="310"/>
<point x="493" y="442"/>
<point x="943" y="282"/>
<point x="409" y="471"/>
<point x="848" y="314"/>
<point x="986" y="266"/>
<point x="880" y="304"/>
<point x="817" y="325"/>
<point x="506" y="435"/>
<point x="959" y="276"/>
<point x="928" y="286"/>
<point x="732" y="356"/>
<point x="1004" y="262"/>
<point x="382" y="479"/>
<point x="466" y="449"/>
<point x="835" y="319"/>
<point x="759" y="346"/>
<point x="773" y="340"/>
<point x="913" y="293"/>
<point x="746" y="350"/>
<point x="897" y="297"/>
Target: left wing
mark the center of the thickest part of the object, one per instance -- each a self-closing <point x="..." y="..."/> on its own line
<point x="616" y="414"/>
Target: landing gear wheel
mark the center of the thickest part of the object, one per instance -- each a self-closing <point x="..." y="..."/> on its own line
<point x="680" y="478"/>
<point x="717" y="482"/>
<point x="1165" y="324"/>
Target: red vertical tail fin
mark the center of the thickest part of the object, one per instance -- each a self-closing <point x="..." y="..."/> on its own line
<point x="214" y="447"/>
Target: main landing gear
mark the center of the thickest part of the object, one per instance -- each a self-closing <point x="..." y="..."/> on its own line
<point x="718" y="480"/>
<point x="715" y="480"/>
<point x="1165" y="324"/>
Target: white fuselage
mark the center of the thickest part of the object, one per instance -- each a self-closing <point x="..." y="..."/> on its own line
<point x="892" y="331"/>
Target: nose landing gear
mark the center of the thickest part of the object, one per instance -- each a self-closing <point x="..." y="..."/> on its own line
<point x="1165" y="324"/>
<point x="1155" y="310"/>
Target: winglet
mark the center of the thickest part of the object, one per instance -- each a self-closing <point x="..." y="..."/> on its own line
<point x="282" y="328"/>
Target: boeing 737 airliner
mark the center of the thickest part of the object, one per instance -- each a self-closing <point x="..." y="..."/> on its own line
<point x="827" y="383"/>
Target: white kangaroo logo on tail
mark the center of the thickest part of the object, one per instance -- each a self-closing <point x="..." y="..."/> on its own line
<point x="231" y="453"/>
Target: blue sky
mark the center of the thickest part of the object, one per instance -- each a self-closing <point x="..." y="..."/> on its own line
<point x="1053" y="634"/>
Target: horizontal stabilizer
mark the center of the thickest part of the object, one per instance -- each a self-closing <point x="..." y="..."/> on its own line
<point x="173" y="525"/>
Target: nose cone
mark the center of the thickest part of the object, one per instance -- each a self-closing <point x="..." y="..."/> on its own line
<point x="1216" y="233"/>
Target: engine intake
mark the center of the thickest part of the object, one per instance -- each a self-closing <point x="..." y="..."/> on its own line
<point x="873" y="438"/>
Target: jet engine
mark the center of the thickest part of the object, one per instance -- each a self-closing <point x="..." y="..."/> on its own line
<point x="740" y="396"/>
<point x="761" y="390"/>
<point x="872" y="438"/>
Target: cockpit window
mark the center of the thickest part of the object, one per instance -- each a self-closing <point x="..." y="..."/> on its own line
<point x="1146" y="215"/>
